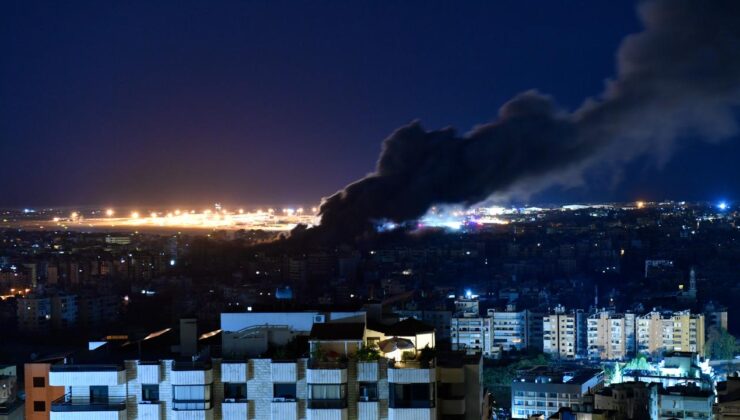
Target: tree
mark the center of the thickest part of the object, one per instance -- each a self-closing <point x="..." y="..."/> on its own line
<point x="497" y="379"/>
<point x="720" y="345"/>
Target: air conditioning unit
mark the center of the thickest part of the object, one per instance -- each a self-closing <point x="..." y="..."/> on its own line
<point x="319" y="319"/>
<point x="278" y="399"/>
<point x="364" y="398"/>
<point x="229" y="400"/>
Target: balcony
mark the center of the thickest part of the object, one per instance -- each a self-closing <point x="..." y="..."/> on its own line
<point x="86" y="375"/>
<point x="327" y="414"/>
<point x="320" y="372"/>
<point x="412" y="414"/>
<point x="368" y="371"/>
<point x="284" y="410"/>
<point x="193" y="414"/>
<point x="67" y="407"/>
<point x="368" y="410"/>
<point x="234" y="371"/>
<point x="284" y="371"/>
<point x="234" y="409"/>
<point x="9" y="408"/>
<point x="191" y="373"/>
<point x="150" y="410"/>
<point x="150" y="373"/>
<point x="410" y="372"/>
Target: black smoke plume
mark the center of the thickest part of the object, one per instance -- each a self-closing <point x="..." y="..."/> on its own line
<point x="678" y="78"/>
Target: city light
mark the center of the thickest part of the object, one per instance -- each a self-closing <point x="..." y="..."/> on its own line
<point x="722" y="205"/>
<point x="209" y="218"/>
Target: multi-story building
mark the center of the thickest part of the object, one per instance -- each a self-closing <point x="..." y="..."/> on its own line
<point x="728" y="399"/>
<point x="611" y="336"/>
<point x="38" y="314"/>
<point x="682" y="402"/>
<point x="672" y="331"/>
<point x="11" y="406"/>
<point x="39" y="394"/>
<point x="510" y="328"/>
<point x="337" y="380"/>
<point x="564" y="333"/>
<point x="544" y="390"/>
<point x="627" y="400"/>
<point x="472" y="334"/>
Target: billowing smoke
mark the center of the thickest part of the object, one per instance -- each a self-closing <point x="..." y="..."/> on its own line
<point x="678" y="78"/>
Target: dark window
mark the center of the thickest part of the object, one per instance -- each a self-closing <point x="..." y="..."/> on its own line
<point x="285" y="391"/>
<point x="98" y="394"/>
<point x="39" y="406"/>
<point x="150" y="393"/>
<point x="235" y="391"/>
<point x="368" y="391"/>
<point x="39" y="382"/>
<point x="411" y="396"/>
<point x="327" y="395"/>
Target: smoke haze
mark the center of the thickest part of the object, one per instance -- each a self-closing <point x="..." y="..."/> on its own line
<point x="679" y="78"/>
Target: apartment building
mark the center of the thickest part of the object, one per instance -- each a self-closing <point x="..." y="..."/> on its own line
<point x="670" y="331"/>
<point x="322" y="370"/>
<point x="39" y="393"/>
<point x="469" y="331"/>
<point x="564" y="333"/>
<point x="11" y="406"/>
<point x="611" y="336"/>
<point x="543" y="390"/>
<point x="682" y="402"/>
<point x="515" y="330"/>
<point x="472" y="334"/>
<point x="728" y="398"/>
<point x="40" y="314"/>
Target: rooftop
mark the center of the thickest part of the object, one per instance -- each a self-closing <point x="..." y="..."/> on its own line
<point x="336" y="331"/>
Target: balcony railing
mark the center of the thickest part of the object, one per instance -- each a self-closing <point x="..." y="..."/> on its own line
<point x="192" y="365"/>
<point x="395" y="403"/>
<point x="318" y="364"/>
<point x="74" y="403"/>
<point x="7" y="408"/>
<point x="87" y="368"/>
<point x="327" y="404"/>
<point x="411" y="364"/>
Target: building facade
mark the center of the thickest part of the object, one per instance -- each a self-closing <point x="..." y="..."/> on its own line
<point x="611" y="336"/>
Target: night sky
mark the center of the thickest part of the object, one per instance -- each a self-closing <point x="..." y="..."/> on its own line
<point x="278" y="102"/>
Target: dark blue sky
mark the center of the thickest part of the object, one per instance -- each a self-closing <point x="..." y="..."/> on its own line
<point x="190" y="102"/>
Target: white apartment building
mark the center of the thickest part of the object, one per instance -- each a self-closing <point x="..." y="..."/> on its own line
<point x="472" y="334"/>
<point x="509" y="329"/>
<point x="543" y="390"/>
<point x="611" y="336"/>
<point x="330" y="384"/>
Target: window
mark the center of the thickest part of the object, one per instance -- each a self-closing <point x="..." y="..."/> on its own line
<point x="191" y="397"/>
<point x="39" y="382"/>
<point x="98" y="394"/>
<point x="284" y="391"/>
<point x="327" y="395"/>
<point x="368" y="391"/>
<point x="411" y="395"/>
<point x="235" y="391"/>
<point x="39" y="406"/>
<point x="150" y="393"/>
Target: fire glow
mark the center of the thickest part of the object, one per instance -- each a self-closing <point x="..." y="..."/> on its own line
<point x="216" y="218"/>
